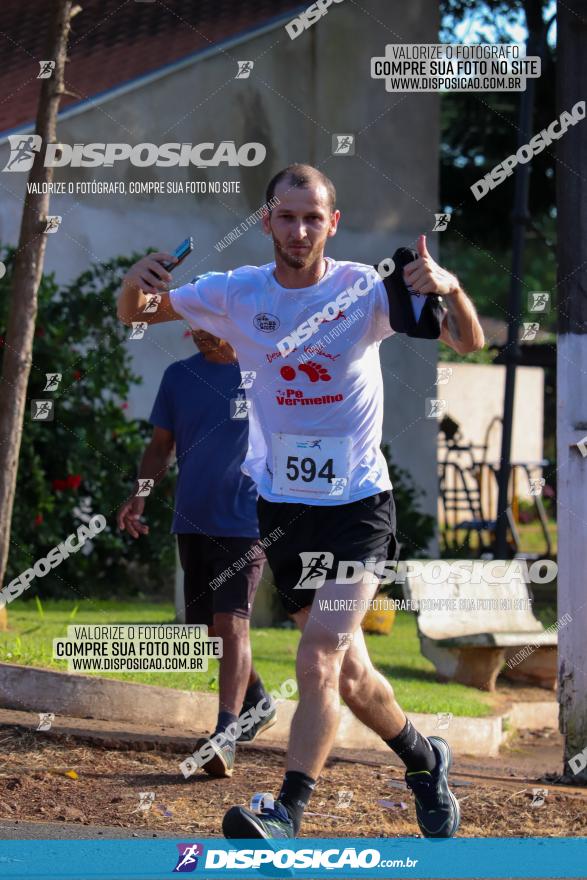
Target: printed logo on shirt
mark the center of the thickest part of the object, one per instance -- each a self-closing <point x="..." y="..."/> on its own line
<point x="294" y="396"/>
<point x="315" y="350"/>
<point x="311" y="371"/>
<point x="314" y="371"/>
<point x="266" y="322"/>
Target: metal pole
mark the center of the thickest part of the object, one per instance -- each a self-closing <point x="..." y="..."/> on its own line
<point x="512" y="350"/>
<point x="571" y="295"/>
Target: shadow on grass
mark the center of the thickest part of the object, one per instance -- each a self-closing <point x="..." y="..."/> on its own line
<point x="406" y="672"/>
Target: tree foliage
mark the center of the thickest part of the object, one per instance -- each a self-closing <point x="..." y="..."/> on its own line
<point x="84" y="461"/>
<point x="478" y="131"/>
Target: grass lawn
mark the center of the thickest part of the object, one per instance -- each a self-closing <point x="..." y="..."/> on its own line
<point x="32" y="628"/>
<point x="531" y="537"/>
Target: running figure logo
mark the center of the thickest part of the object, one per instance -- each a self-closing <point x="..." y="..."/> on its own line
<point x="53" y="223"/>
<point x="441" y="222"/>
<point x="247" y="378"/>
<point x="435" y="406"/>
<point x="188" y="857"/>
<point x="345" y="640"/>
<point x="239" y="408"/>
<point x="53" y="380"/>
<point x="443" y="375"/>
<point x="146" y="799"/>
<point x="22" y="152"/>
<point x="244" y="69"/>
<point x="338" y="486"/>
<point x="46" y="719"/>
<point x="42" y="410"/>
<point x="537" y="485"/>
<point x="315" y="567"/>
<point x="529" y="332"/>
<point x="443" y="720"/>
<point x="144" y="488"/>
<point x="310" y="444"/>
<point x="152" y="304"/>
<point x="344" y="799"/>
<point x="47" y="68"/>
<point x="343" y="145"/>
<point x="139" y="329"/>
<point x="538" y="301"/>
<point x="538" y="796"/>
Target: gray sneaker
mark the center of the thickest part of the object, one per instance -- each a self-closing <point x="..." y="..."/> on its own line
<point x="264" y="723"/>
<point x="437" y="809"/>
<point x="221" y="763"/>
<point x="270" y="824"/>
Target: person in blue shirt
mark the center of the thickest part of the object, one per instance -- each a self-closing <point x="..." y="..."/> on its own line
<point x="215" y="519"/>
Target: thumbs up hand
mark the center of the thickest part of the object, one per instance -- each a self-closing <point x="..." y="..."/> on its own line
<point x="422" y="248"/>
<point x="424" y="275"/>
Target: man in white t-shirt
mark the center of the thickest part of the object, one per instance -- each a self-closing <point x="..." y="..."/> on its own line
<point x="307" y="329"/>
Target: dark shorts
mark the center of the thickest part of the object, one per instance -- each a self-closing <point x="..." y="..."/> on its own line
<point x="357" y="531"/>
<point x="221" y="575"/>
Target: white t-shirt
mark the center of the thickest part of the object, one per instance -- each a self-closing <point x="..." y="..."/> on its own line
<point x="315" y="403"/>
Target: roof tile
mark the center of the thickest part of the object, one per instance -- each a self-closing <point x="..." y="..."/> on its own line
<point x="113" y="42"/>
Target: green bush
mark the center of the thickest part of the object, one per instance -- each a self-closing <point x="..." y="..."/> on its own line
<point x="84" y="462"/>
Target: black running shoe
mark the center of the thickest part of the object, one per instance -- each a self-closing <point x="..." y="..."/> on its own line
<point x="437" y="809"/>
<point x="221" y="762"/>
<point x="264" y="723"/>
<point x="269" y="824"/>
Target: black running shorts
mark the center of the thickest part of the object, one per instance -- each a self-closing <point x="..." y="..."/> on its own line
<point x="357" y="531"/>
<point x="221" y="575"/>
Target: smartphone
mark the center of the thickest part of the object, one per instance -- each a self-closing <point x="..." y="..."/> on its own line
<point x="181" y="252"/>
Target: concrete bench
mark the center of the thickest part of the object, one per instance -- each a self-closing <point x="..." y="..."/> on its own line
<point x="469" y="631"/>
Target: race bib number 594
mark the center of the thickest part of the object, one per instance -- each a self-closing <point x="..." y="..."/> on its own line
<point x="311" y="467"/>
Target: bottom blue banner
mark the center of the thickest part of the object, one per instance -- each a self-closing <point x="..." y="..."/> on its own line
<point x="534" y="857"/>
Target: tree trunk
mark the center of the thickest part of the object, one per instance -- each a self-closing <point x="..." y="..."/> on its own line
<point x="571" y="171"/>
<point x="26" y="277"/>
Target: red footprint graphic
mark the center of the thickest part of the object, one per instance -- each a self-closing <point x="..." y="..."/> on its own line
<point x="315" y="371"/>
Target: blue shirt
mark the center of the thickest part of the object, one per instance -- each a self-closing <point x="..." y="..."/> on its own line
<point x="212" y="496"/>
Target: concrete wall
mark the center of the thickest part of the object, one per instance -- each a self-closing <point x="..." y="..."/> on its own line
<point x="474" y="395"/>
<point x="299" y="94"/>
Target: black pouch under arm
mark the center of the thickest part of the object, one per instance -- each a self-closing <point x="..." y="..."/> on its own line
<point x="401" y="313"/>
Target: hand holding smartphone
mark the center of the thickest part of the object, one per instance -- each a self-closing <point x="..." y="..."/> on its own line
<point x="180" y="252"/>
<point x="151" y="273"/>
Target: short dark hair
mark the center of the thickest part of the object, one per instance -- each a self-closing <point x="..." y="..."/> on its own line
<point x="302" y="176"/>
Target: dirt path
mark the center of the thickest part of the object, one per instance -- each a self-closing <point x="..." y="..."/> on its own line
<point x="352" y="800"/>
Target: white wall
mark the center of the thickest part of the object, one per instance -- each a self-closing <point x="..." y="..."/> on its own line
<point x="474" y="395"/>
